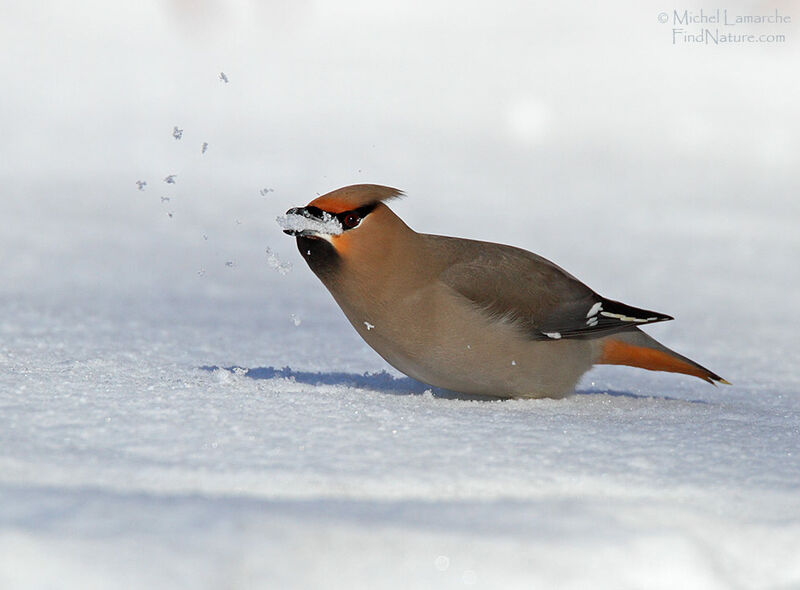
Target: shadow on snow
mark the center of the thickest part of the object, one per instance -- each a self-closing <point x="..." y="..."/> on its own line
<point x="387" y="383"/>
<point x="381" y="381"/>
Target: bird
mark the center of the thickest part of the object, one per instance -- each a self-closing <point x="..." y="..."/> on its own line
<point x="474" y="317"/>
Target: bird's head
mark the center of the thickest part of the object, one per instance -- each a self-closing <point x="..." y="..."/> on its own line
<point x="344" y="224"/>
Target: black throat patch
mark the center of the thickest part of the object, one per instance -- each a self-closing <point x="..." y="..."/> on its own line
<point x="320" y="255"/>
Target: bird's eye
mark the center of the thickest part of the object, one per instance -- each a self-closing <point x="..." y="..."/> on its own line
<point x="350" y="220"/>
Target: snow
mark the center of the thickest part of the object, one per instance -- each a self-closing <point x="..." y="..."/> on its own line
<point x="163" y="426"/>
<point x="131" y="459"/>
<point x="274" y="261"/>
<point x="327" y="226"/>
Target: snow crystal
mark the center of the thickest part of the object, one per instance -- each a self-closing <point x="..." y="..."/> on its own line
<point x="265" y="191"/>
<point x="274" y="262"/>
<point x="369" y="326"/>
<point x="177" y="133"/>
<point x="295" y="320"/>
<point x="165" y="199"/>
<point x="170" y="179"/>
<point x="230" y="263"/>
<point x="204" y="148"/>
<point x="329" y="225"/>
<point x="141" y="184"/>
<point x="230" y="376"/>
<point x="223" y="77"/>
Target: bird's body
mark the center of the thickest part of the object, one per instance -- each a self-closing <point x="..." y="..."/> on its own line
<point x="469" y="316"/>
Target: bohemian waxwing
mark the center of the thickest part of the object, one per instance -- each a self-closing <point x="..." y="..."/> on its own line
<point x="469" y="316"/>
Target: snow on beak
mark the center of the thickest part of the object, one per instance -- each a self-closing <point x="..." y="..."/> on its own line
<point x="310" y="222"/>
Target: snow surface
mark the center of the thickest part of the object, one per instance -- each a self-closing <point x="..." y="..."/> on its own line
<point x="166" y="419"/>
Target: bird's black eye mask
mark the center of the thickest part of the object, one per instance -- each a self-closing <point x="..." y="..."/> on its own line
<point x="348" y="219"/>
<point x="352" y="219"/>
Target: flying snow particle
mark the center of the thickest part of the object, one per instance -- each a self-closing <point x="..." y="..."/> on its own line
<point x="170" y="214"/>
<point x="141" y="184"/>
<point x="201" y="272"/>
<point x="223" y="77"/>
<point x="177" y="133"/>
<point x="265" y="191"/>
<point x="369" y="326"/>
<point x="230" y="264"/>
<point x="295" y="320"/>
<point x="205" y="237"/>
<point x="204" y="148"/>
<point x="276" y="263"/>
<point x="165" y="199"/>
<point x="170" y="179"/>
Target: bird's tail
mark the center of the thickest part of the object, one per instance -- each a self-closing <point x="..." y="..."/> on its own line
<point x="636" y="349"/>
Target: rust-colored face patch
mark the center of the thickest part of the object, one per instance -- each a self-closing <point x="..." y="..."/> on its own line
<point x="331" y="204"/>
<point x="342" y="243"/>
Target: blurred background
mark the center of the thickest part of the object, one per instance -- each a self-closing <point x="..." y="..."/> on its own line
<point x="656" y="170"/>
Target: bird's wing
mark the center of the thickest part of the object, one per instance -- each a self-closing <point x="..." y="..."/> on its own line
<point x="542" y="299"/>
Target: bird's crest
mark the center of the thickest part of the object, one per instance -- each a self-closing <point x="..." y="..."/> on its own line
<point x="354" y="196"/>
